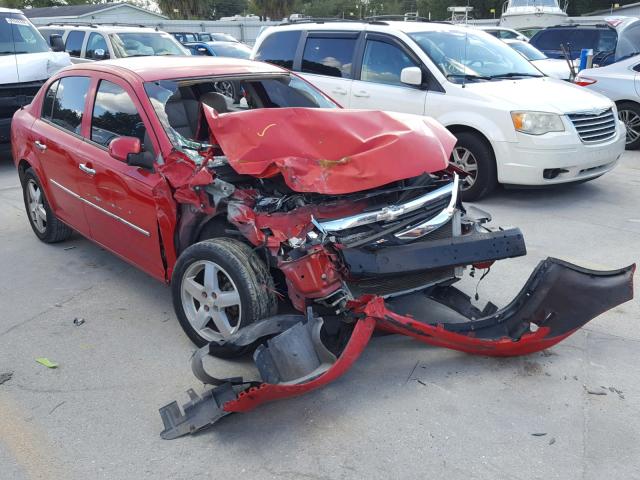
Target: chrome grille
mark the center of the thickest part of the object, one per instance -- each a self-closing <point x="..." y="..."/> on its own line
<point x="594" y="127"/>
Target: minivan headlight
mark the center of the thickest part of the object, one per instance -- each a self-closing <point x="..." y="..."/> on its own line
<point x="537" y="123"/>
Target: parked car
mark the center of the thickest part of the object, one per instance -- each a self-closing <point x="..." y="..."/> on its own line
<point x="88" y="43"/>
<point x="552" y="67"/>
<point x="186" y="37"/>
<point x="513" y="125"/>
<point x="615" y="39"/>
<point x="26" y="61"/>
<point x="620" y="83"/>
<point x="528" y="32"/>
<point x="219" y="49"/>
<point x="504" y="33"/>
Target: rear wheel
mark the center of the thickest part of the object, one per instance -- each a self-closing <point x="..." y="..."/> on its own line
<point x="220" y="286"/>
<point x="44" y="223"/>
<point x="473" y="155"/>
<point x="629" y="113"/>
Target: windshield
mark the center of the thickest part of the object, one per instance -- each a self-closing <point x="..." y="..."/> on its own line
<point x="464" y="56"/>
<point x="530" y="52"/>
<point x="17" y="35"/>
<point x="145" y="44"/>
<point x="178" y="104"/>
<point x="228" y="49"/>
<point x="222" y="37"/>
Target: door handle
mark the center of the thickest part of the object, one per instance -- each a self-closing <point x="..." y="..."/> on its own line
<point x="40" y="146"/>
<point x="86" y="169"/>
<point x="361" y="94"/>
<point x="339" y="90"/>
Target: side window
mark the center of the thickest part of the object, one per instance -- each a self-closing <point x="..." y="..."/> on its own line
<point x="115" y="115"/>
<point x="73" y="45"/>
<point x="279" y="48"/>
<point x="507" y="34"/>
<point x="629" y="42"/>
<point x="383" y="62"/>
<point x="97" y="47"/>
<point x="328" y="56"/>
<point x="49" y="98"/>
<point x="68" y="105"/>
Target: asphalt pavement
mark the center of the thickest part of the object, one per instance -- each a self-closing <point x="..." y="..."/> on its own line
<point x="405" y="410"/>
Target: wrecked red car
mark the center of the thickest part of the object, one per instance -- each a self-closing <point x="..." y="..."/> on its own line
<point x="287" y="227"/>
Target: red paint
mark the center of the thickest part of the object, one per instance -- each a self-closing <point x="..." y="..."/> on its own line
<point x="121" y="147"/>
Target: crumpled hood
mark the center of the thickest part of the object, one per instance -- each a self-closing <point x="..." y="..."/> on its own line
<point x="541" y="94"/>
<point x="331" y="151"/>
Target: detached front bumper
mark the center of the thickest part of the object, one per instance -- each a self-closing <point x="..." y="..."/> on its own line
<point x="558" y="299"/>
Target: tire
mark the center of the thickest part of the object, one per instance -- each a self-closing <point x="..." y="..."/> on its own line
<point x="43" y="221"/>
<point x="629" y="113"/>
<point x="472" y="153"/>
<point x="241" y="276"/>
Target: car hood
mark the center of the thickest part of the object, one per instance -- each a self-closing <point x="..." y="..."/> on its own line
<point x="539" y="94"/>
<point x="553" y="68"/>
<point x="331" y="151"/>
<point x="31" y="67"/>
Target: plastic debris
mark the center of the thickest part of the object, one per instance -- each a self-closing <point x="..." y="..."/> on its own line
<point x="78" y="321"/>
<point x="46" y="362"/>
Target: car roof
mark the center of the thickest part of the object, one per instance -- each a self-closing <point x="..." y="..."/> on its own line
<point x="154" y="68"/>
<point x="406" y="27"/>
<point x="101" y="28"/>
<point x="9" y="10"/>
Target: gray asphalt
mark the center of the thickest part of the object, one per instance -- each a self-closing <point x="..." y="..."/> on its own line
<point x="405" y="410"/>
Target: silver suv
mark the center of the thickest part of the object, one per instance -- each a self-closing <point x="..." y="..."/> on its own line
<point x="87" y="43"/>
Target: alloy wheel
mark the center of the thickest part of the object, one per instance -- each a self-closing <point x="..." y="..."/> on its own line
<point x="464" y="159"/>
<point x="37" y="211"/>
<point x="632" y="122"/>
<point x="211" y="300"/>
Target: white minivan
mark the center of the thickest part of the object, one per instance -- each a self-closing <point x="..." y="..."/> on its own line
<point x="514" y="125"/>
<point x="25" y="63"/>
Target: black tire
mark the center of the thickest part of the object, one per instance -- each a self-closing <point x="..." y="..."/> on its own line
<point x="486" y="178"/>
<point x="249" y="275"/>
<point x="53" y="230"/>
<point x="626" y="112"/>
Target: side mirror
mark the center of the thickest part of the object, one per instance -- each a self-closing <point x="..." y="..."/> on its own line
<point x="411" y="76"/>
<point x="55" y="40"/>
<point x="100" y="54"/>
<point x="120" y="148"/>
<point x="202" y="51"/>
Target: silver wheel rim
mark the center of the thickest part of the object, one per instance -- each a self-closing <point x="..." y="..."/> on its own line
<point x="36" y="207"/>
<point x="466" y="161"/>
<point x="225" y="88"/>
<point x="632" y="122"/>
<point x="210" y="300"/>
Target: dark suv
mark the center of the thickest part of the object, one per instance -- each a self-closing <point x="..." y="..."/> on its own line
<point x="611" y="41"/>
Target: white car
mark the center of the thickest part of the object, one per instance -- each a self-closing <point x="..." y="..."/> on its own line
<point x="552" y="67"/>
<point x="620" y="82"/>
<point x="514" y="125"/>
<point x="504" y="33"/>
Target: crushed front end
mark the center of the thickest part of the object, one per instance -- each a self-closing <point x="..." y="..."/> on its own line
<point x="360" y="256"/>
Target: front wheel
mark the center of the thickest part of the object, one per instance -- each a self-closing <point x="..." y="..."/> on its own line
<point x="629" y="113"/>
<point x="473" y="155"/>
<point x="220" y="286"/>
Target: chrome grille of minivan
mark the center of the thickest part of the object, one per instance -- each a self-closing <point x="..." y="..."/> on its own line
<point x="594" y="127"/>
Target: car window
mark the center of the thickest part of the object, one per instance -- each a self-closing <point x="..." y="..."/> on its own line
<point x="199" y="50"/>
<point x="231" y="49"/>
<point x="115" y="115"/>
<point x="530" y="52"/>
<point x="144" y="44"/>
<point x="508" y="34"/>
<point x="49" y="97"/>
<point x="629" y="42"/>
<point x="383" y="62"/>
<point x="97" y="47"/>
<point x="279" y="48"/>
<point x="600" y="40"/>
<point x="328" y="56"/>
<point x="18" y="36"/>
<point x="73" y="44"/>
<point x="68" y="105"/>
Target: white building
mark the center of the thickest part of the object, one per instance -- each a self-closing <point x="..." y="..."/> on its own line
<point x="100" y="13"/>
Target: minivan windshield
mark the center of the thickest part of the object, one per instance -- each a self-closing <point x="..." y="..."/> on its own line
<point x="17" y="35"/>
<point x="465" y="56"/>
<point x="145" y="44"/>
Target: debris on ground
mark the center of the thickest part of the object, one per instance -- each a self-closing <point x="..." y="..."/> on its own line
<point x="539" y="434"/>
<point x="46" y="362"/>
<point x="591" y="391"/>
<point x="78" y="321"/>
<point x="552" y="440"/>
<point x="5" y="377"/>
<point x="58" y="405"/>
<point x="70" y="248"/>
<point x="615" y="390"/>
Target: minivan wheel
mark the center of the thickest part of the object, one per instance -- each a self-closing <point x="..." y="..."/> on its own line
<point x="44" y="223"/>
<point x="220" y="286"/>
<point x="473" y="155"/>
<point x="629" y="113"/>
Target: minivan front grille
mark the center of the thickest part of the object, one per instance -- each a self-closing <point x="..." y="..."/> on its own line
<point x="594" y="127"/>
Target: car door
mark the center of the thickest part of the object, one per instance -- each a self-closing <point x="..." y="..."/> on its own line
<point x="378" y="85"/>
<point x="73" y="46"/>
<point x="56" y="136"/>
<point x="327" y="62"/>
<point x="120" y="206"/>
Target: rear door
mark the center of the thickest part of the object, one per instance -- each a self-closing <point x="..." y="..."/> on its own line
<point x="328" y="62"/>
<point x="121" y="208"/>
<point x="378" y="85"/>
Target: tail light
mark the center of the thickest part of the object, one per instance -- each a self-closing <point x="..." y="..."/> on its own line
<point x="584" y="81"/>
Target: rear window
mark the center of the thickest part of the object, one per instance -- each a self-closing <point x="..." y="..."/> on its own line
<point x="73" y="44"/>
<point x="68" y="106"/>
<point x="600" y="40"/>
<point x="279" y="48"/>
<point x="329" y="56"/>
<point x="17" y="35"/>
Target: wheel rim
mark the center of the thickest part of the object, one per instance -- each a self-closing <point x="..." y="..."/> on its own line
<point x="37" y="213"/>
<point x="632" y="123"/>
<point x="210" y="300"/>
<point x="465" y="160"/>
<point x="225" y="88"/>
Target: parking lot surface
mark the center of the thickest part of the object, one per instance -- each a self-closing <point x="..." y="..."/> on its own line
<point x="406" y="410"/>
